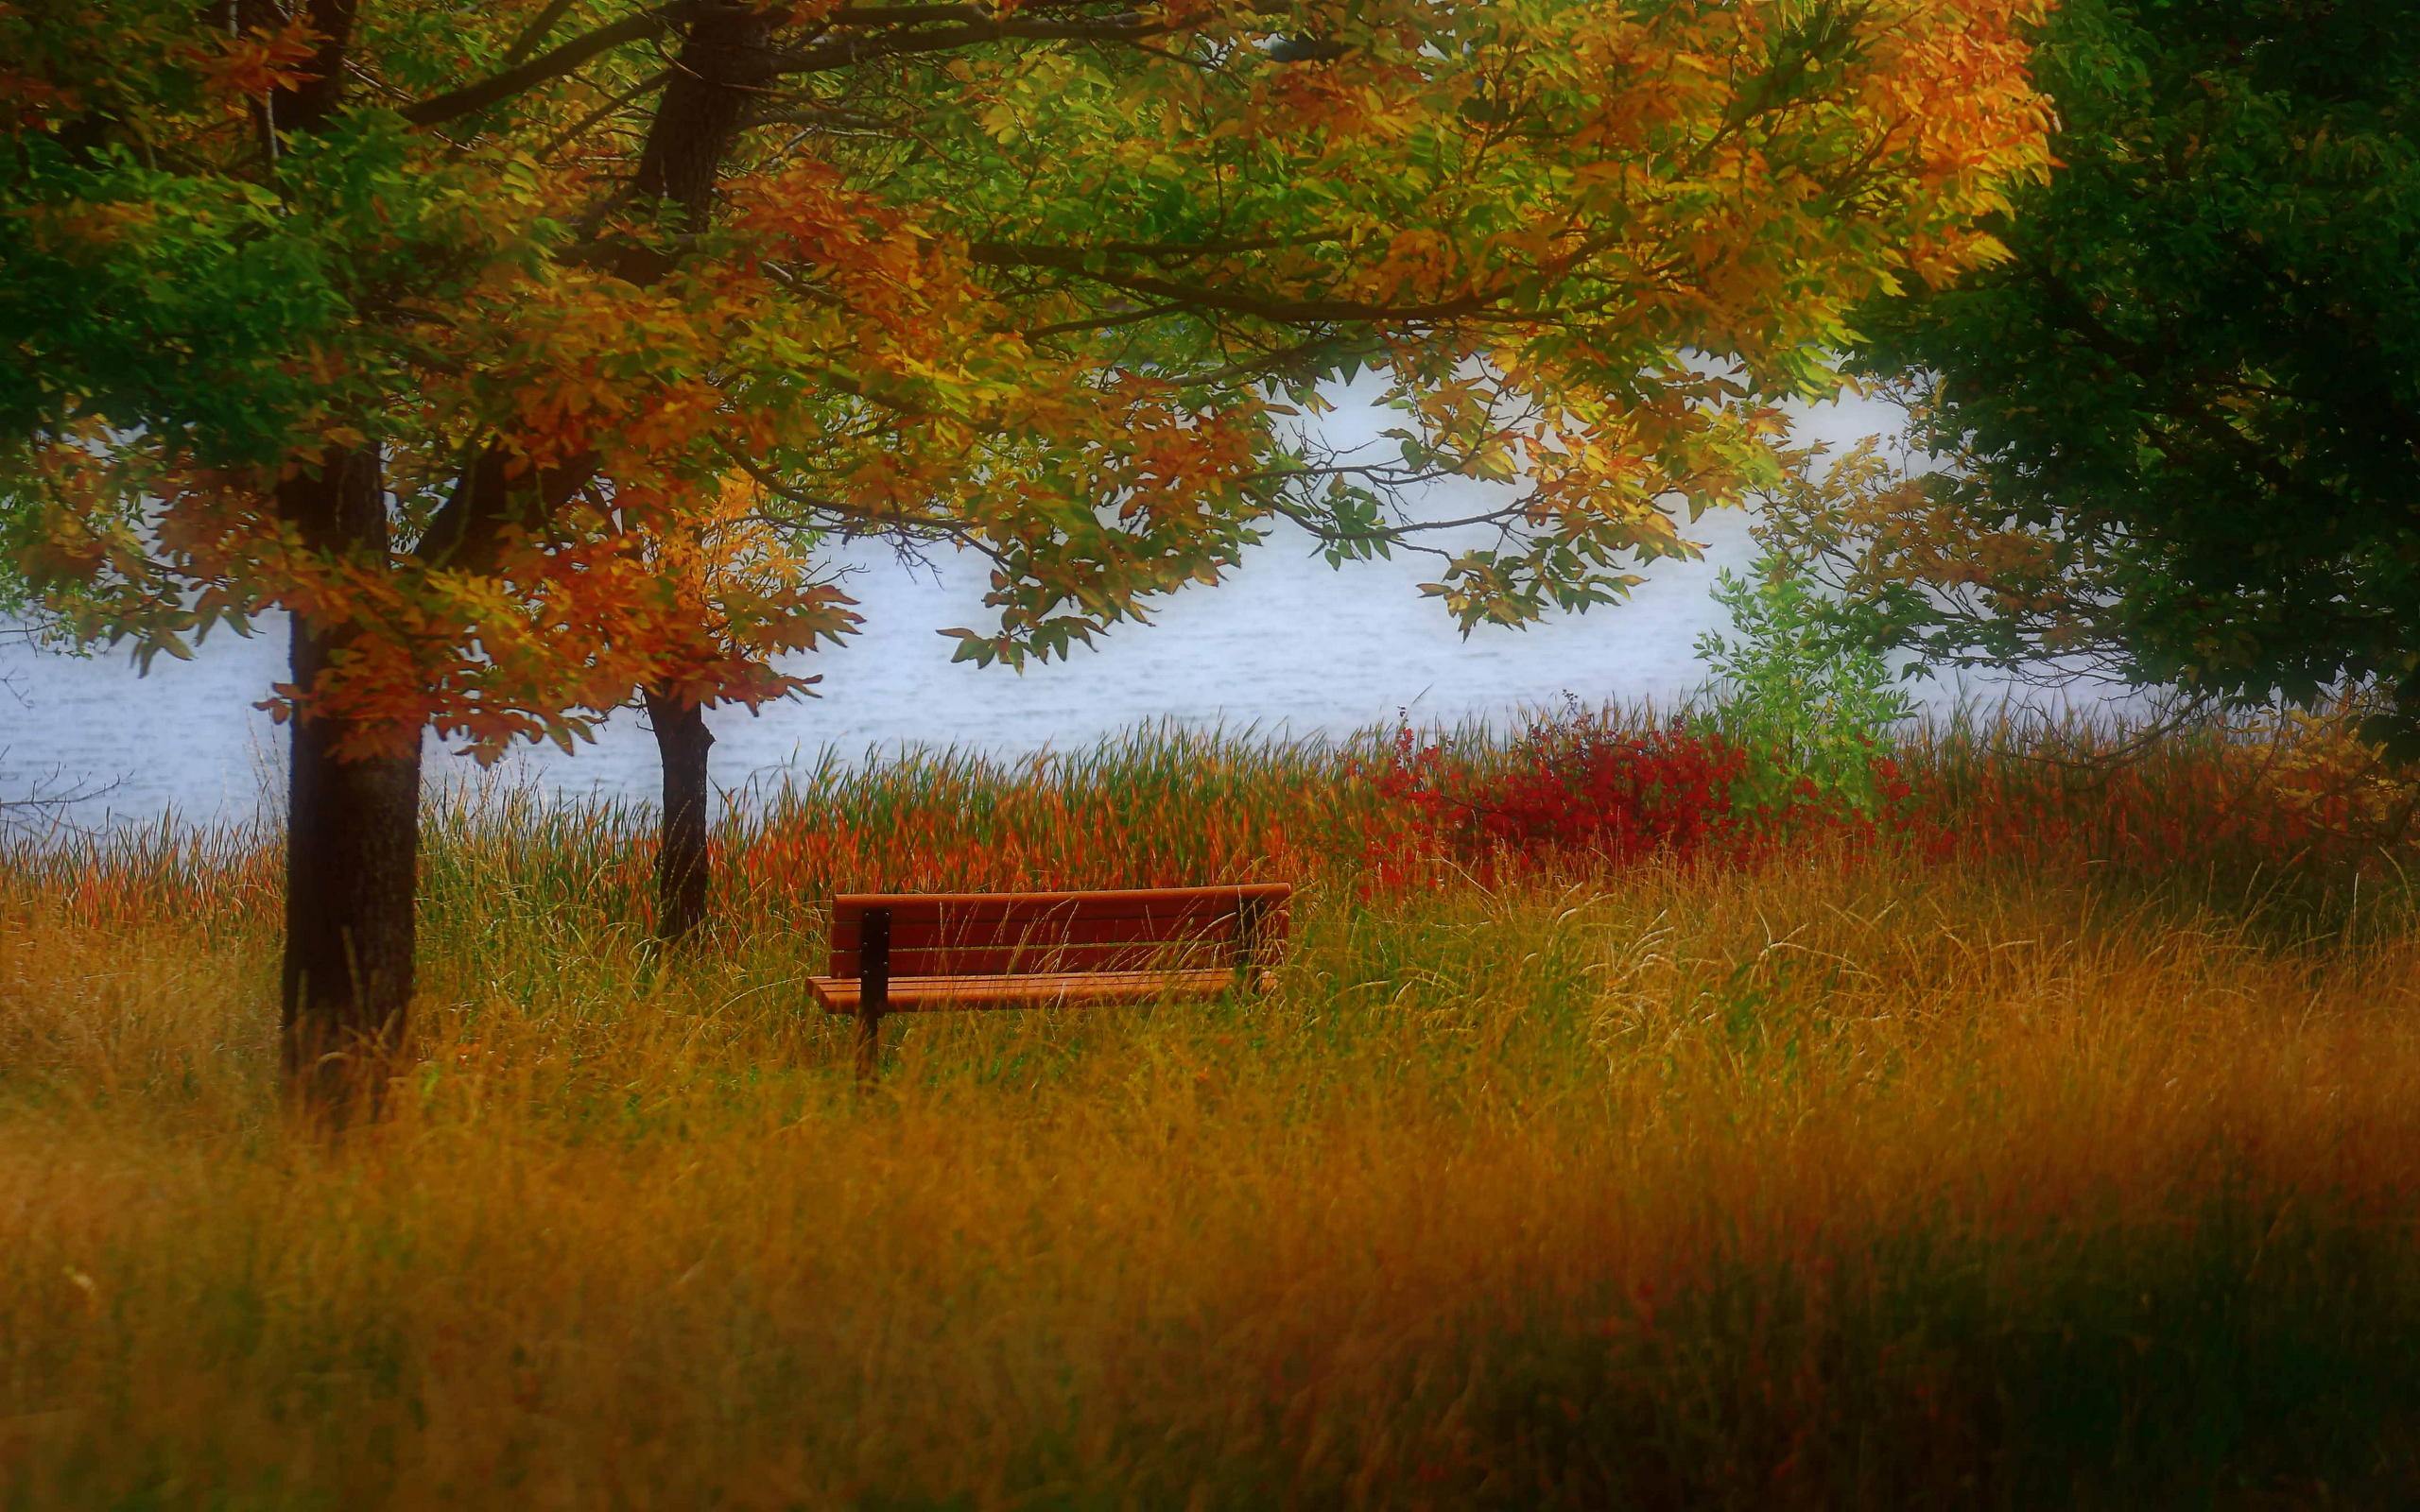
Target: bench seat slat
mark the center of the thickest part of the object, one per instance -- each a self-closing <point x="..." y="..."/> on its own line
<point x="1040" y="916"/>
<point x="1085" y="947"/>
<point x="924" y="926"/>
<point x="911" y="994"/>
<point x="1046" y="959"/>
<point x="1084" y="928"/>
<point x="1090" y="904"/>
<point x="957" y="911"/>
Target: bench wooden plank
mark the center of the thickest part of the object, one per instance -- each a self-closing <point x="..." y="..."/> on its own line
<point x="1109" y="902"/>
<point x="1033" y="938"/>
<point x="943" y="994"/>
<point x="910" y="933"/>
<point x="1044" y="959"/>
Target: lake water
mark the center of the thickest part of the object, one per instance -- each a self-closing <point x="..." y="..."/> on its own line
<point x="1287" y="645"/>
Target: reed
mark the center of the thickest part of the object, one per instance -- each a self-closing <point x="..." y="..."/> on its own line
<point x="1865" y="1174"/>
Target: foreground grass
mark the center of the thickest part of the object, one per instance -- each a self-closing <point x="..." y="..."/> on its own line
<point x="1841" y="1181"/>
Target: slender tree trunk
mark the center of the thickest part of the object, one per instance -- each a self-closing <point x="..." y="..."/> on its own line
<point x="682" y="869"/>
<point x="720" y="73"/>
<point x="353" y="844"/>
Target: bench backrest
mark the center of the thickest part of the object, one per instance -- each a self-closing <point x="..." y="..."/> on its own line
<point x="1005" y="934"/>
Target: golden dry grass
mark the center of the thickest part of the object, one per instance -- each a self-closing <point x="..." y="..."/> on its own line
<point x="1886" y="1182"/>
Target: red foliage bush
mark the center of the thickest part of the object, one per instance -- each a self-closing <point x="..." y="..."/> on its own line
<point x="1583" y="788"/>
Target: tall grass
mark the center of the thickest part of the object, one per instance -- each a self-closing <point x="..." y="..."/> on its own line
<point x="1908" y="1174"/>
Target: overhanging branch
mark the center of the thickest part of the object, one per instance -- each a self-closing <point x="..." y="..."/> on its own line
<point x="503" y="86"/>
<point x="908" y="40"/>
<point x="1080" y="261"/>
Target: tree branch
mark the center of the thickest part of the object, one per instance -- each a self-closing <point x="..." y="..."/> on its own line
<point x="1106" y="322"/>
<point x="1284" y="311"/>
<point x="45" y="805"/>
<point x="907" y="42"/>
<point x="503" y="86"/>
<point x="854" y="519"/>
<point x="468" y="529"/>
<point x="536" y="32"/>
<point x="573" y="133"/>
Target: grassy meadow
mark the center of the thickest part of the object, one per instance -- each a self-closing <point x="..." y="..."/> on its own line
<point x="2057" y="1146"/>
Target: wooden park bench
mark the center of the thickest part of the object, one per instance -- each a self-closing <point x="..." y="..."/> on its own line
<point x="927" y="953"/>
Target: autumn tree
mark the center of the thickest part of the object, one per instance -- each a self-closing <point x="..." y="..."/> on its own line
<point x="2176" y="428"/>
<point x="524" y="354"/>
<point x="1288" y="209"/>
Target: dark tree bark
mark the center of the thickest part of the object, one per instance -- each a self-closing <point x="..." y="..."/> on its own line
<point x="352" y="843"/>
<point x="305" y="104"/>
<point x="723" y="62"/>
<point x="682" y="870"/>
<point x="726" y="60"/>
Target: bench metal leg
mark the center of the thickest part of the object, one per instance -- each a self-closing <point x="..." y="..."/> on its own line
<point x="869" y="1046"/>
<point x="1247" y="945"/>
<point x="874" y="990"/>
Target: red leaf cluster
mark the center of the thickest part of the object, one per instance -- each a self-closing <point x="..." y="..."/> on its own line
<point x="1585" y="788"/>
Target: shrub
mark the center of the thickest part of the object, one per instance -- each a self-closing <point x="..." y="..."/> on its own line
<point x="1801" y="693"/>
<point x="1580" y="785"/>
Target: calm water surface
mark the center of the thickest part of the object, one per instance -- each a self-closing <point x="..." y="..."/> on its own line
<point x="1287" y="645"/>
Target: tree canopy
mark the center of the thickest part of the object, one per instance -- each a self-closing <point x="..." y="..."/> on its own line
<point x="2180" y="422"/>
<point x="612" y="289"/>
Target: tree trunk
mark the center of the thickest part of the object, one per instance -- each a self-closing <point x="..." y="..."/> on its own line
<point x="721" y="73"/>
<point x="353" y="844"/>
<point x="682" y="870"/>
